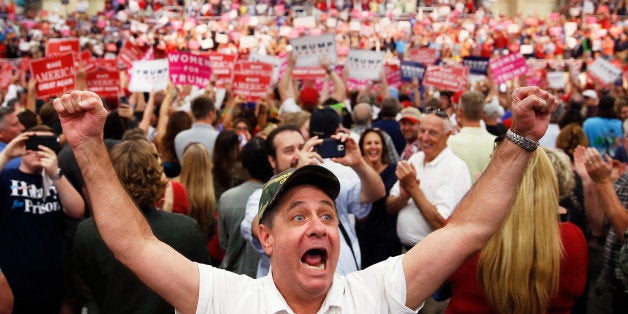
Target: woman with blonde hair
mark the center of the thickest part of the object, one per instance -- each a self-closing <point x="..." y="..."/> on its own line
<point x="533" y="264"/>
<point x="196" y="176"/>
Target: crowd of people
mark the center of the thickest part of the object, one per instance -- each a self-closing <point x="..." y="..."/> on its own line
<point x="497" y="197"/>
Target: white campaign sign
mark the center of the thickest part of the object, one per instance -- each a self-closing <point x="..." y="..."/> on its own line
<point x="308" y="49"/>
<point x="556" y="80"/>
<point x="275" y="61"/>
<point x="365" y="64"/>
<point x="149" y="75"/>
<point x="604" y="70"/>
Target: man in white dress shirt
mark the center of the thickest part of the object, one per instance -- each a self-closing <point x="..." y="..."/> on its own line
<point x="431" y="182"/>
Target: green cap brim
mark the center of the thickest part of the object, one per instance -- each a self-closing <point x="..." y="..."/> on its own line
<point x="288" y="179"/>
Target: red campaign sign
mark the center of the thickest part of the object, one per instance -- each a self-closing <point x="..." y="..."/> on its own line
<point x="449" y="78"/>
<point x="59" y="46"/>
<point x="426" y="56"/>
<point x="393" y="75"/>
<point x="129" y="53"/>
<point x="253" y="68"/>
<point x="252" y="87"/>
<point x="7" y="71"/>
<point x="102" y="64"/>
<point x="6" y="76"/>
<point x="85" y="61"/>
<point x="222" y="66"/>
<point x="308" y="73"/>
<point x="104" y="83"/>
<point x="55" y="75"/>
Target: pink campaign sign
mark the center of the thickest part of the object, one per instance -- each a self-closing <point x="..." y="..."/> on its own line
<point x="189" y="69"/>
<point x="507" y="67"/>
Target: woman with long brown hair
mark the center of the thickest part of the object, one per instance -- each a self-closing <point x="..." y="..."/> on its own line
<point x="196" y="176"/>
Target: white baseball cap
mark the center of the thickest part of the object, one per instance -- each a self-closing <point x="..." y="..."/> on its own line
<point x="589" y="93"/>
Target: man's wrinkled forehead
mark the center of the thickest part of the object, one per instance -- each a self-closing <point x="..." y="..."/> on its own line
<point x="287" y="138"/>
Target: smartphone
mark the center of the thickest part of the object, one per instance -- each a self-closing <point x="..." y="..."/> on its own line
<point x="123" y="100"/>
<point x="331" y="148"/>
<point x="50" y="141"/>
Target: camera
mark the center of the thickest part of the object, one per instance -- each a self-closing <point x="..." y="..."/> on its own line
<point x="331" y="148"/>
<point x="50" y="141"/>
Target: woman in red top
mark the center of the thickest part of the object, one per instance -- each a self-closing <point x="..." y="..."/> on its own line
<point x="533" y="264"/>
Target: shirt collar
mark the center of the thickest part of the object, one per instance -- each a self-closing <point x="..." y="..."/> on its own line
<point x="276" y="303"/>
<point x="440" y="157"/>
<point x="334" y="298"/>
<point x="203" y="125"/>
<point x="473" y="130"/>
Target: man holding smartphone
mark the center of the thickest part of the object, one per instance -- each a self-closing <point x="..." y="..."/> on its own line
<point x="10" y="128"/>
<point x="36" y="198"/>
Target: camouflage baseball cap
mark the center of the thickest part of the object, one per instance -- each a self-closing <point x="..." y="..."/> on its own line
<point x="310" y="174"/>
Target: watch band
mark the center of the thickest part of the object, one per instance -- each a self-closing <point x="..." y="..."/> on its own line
<point x="57" y="175"/>
<point x="522" y="141"/>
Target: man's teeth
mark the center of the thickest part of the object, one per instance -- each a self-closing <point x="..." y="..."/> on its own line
<point x="320" y="266"/>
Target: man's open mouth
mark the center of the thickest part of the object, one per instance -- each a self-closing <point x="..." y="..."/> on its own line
<point x="315" y="258"/>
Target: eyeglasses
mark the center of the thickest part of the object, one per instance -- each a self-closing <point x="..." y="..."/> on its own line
<point x="437" y="111"/>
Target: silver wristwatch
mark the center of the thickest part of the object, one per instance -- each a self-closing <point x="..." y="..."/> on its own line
<point x="522" y="141"/>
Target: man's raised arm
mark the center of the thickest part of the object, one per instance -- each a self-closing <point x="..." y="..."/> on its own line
<point x="480" y="213"/>
<point x="119" y="221"/>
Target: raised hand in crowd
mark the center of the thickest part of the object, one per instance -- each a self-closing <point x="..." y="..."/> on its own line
<point x="594" y="213"/>
<point x="339" y="84"/>
<point x="31" y="95"/>
<point x="265" y="106"/>
<point x="286" y="85"/>
<point x="232" y="110"/>
<point x="83" y="116"/>
<point x="48" y="160"/>
<point x="383" y="90"/>
<point x="601" y="172"/>
<point x="308" y="154"/>
<point x="148" y="109"/>
<point x="14" y="148"/>
<point x="165" y="110"/>
<point x="81" y="79"/>
<point x="126" y="111"/>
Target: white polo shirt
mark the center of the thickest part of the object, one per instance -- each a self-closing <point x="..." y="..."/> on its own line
<point x="444" y="181"/>
<point x="377" y="289"/>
